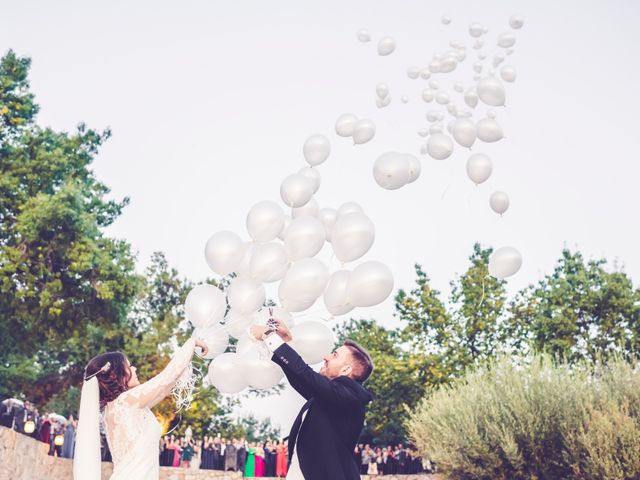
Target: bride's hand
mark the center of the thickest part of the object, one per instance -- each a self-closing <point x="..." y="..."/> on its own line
<point x="203" y="346"/>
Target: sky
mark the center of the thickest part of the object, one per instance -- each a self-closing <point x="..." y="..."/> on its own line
<point x="210" y="102"/>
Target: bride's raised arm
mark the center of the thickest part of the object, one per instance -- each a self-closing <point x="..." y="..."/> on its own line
<point x="153" y="391"/>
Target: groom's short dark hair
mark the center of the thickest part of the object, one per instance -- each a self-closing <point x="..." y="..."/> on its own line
<point x="363" y="362"/>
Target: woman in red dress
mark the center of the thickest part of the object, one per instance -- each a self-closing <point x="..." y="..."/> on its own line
<point x="281" y="459"/>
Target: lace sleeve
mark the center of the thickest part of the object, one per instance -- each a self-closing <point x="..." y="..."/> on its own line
<point x="153" y="391"/>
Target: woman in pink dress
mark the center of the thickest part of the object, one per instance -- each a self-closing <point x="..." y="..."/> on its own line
<point x="259" y="472"/>
<point x="176" y="455"/>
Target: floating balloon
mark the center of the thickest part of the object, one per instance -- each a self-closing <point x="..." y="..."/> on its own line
<point x="265" y="221"/>
<point x="304" y="237"/>
<point x="433" y="116"/>
<point x="476" y="30"/>
<point x="497" y="60"/>
<point x="363" y="131"/>
<point x="215" y="338"/>
<point x="458" y="87"/>
<point x="260" y="372"/>
<point x="442" y="98"/>
<point x="434" y="84"/>
<point x="404" y="99"/>
<point x="245" y="295"/>
<point x="446" y="20"/>
<point x="504" y="262"/>
<point x="478" y="44"/>
<point x="508" y="73"/>
<point x="439" y="146"/>
<point x="423" y="132"/>
<point x="383" y="102"/>
<point x="477" y="67"/>
<point x="225" y="373"/>
<point x="269" y="262"/>
<point x="386" y="46"/>
<point x="479" y="168"/>
<point x="313" y="340"/>
<point x="349" y="207"/>
<point x="309" y="209"/>
<point x="471" y="97"/>
<point x="312" y="174"/>
<point x="516" y="21"/>
<point x="391" y="170"/>
<point x="448" y="64"/>
<point x="464" y="132"/>
<point x="382" y="90"/>
<point x="364" y="36"/>
<point x="328" y="218"/>
<point x="489" y="130"/>
<point x="435" y="128"/>
<point x="499" y="202"/>
<point x="491" y="91"/>
<point x="425" y="74"/>
<point x="369" y="284"/>
<point x="303" y="284"/>
<point x="236" y="324"/>
<point x="345" y="124"/>
<point x="296" y="190"/>
<point x="223" y="252"/>
<point x="316" y="149"/>
<point x="335" y="296"/>
<point x="413" y="72"/>
<point x="506" y="40"/>
<point x="352" y="236"/>
<point x="205" y="305"/>
<point x="428" y="95"/>
<point x="434" y="66"/>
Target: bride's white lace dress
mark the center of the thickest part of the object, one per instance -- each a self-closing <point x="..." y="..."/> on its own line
<point x="133" y="433"/>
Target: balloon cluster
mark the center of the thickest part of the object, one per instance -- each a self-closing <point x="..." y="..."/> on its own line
<point x="460" y="105"/>
<point x="284" y="248"/>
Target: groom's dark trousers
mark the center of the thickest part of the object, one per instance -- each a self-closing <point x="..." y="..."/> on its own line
<point x="324" y="441"/>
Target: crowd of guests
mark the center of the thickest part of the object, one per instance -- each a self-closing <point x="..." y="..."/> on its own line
<point x="253" y="459"/>
<point x="391" y="460"/>
<point x="55" y="430"/>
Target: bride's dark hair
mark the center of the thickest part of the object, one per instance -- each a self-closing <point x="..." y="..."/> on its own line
<point x="114" y="380"/>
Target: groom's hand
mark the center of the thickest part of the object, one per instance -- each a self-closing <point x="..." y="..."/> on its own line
<point x="283" y="330"/>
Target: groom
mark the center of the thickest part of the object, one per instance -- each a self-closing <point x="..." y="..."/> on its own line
<point x="325" y="432"/>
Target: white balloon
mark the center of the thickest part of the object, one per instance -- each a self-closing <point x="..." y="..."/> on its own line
<point x="423" y="132"/>
<point x="383" y="102"/>
<point x="391" y="170"/>
<point x="425" y="74"/>
<point x="504" y="262"/>
<point x="312" y="174"/>
<point x="216" y="338"/>
<point x="260" y="373"/>
<point x="309" y="209"/>
<point x="413" y="72"/>
<point x="464" y="132"/>
<point x="435" y="128"/>
<point x="489" y="130"/>
<point x="205" y="305"/>
<point x="491" y="91"/>
<point x="476" y="30"/>
<point x="516" y="21"/>
<point x="225" y="373"/>
<point x="313" y="340"/>
<point x="335" y="296"/>
<point x="442" y="98"/>
<point x="404" y="99"/>
<point x="491" y="114"/>
<point x="478" y="44"/>
<point x="428" y="95"/>
<point x="265" y="221"/>
<point x="363" y="131"/>
<point x="439" y="146"/>
<point x="296" y="190"/>
<point x="386" y="46"/>
<point x="223" y="252"/>
<point x="345" y="124"/>
<point x="364" y="36"/>
<point x="448" y="64"/>
<point x="477" y="67"/>
<point x="328" y="217"/>
<point x="434" y="66"/>
<point x="508" y="73"/>
<point x="471" y="97"/>
<point x="506" y="40"/>
<point x="245" y="295"/>
<point x="303" y="284"/>
<point x="316" y="149"/>
<point x="352" y="236"/>
<point x="446" y="20"/>
<point x="434" y="84"/>
<point x="287" y="222"/>
<point x="369" y="284"/>
<point x="237" y="324"/>
<point x="497" y="60"/>
<point x="433" y="115"/>
<point x="499" y="202"/>
<point x="415" y="167"/>
<point x="458" y="87"/>
<point x="304" y="238"/>
<point x="269" y="262"/>
<point x="382" y="90"/>
<point x="349" y="207"/>
<point x="479" y="168"/>
<point x="461" y="55"/>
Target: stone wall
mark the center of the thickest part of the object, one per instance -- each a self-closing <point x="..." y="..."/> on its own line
<point x="23" y="458"/>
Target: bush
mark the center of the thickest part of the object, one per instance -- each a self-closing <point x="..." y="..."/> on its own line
<point x="535" y="419"/>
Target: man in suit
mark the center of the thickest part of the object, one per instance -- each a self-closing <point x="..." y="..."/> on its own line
<point x="324" y="434"/>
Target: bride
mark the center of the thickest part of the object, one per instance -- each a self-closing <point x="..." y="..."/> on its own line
<point x="112" y="388"/>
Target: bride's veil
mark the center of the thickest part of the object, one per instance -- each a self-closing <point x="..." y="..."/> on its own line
<point x="86" y="463"/>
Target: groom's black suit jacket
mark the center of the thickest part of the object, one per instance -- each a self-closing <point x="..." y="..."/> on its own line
<point x="335" y="417"/>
